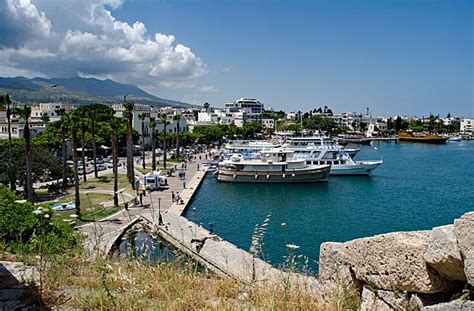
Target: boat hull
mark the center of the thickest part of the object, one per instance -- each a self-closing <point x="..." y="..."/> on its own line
<point x="363" y="168"/>
<point x="297" y="176"/>
<point x="441" y="140"/>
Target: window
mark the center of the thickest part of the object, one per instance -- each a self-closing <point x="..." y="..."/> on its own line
<point x="336" y="162"/>
<point x="308" y="162"/>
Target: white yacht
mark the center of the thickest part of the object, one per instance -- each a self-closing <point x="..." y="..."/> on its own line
<point x="329" y="154"/>
<point x="319" y="141"/>
<point x="249" y="149"/>
<point x="271" y="166"/>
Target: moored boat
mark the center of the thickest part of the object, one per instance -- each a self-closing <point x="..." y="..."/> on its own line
<point x="272" y="166"/>
<point x="422" y="138"/>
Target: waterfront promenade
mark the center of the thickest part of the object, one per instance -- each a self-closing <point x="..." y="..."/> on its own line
<point x="102" y="234"/>
<point x="211" y="251"/>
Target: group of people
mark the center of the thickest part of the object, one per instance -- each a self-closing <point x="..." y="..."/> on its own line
<point x="176" y="198"/>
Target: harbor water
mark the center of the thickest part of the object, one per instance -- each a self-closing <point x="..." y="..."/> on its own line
<point x="418" y="186"/>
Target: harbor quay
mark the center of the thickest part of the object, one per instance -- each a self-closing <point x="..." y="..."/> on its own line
<point x="165" y="218"/>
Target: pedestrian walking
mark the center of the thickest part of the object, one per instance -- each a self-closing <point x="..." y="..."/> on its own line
<point x="141" y="199"/>
<point x="198" y="167"/>
<point x="184" y="184"/>
<point x="172" y="196"/>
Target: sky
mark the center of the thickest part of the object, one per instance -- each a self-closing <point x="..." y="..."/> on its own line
<point x="408" y="57"/>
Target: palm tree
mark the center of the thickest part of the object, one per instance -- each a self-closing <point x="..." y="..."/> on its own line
<point x="141" y="116"/>
<point x="177" y="118"/>
<point x="92" y="117"/>
<point x="165" y="122"/>
<point x="114" y="125"/>
<point x="130" y="167"/>
<point x="153" y="143"/>
<point x="25" y="114"/>
<point x="8" y="101"/>
<point x="64" y="119"/>
<point x="83" y="120"/>
<point x="74" y="122"/>
<point x="12" y="173"/>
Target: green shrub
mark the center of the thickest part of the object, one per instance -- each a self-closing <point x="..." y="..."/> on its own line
<point x="29" y="229"/>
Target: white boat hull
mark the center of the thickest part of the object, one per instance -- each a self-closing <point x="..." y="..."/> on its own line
<point x="362" y="168"/>
<point x="297" y="176"/>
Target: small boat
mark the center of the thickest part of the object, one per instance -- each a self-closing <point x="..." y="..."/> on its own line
<point x="345" y="139"/>
<point x="455" y="138"/>
<point x="422" y="138"/>
<point x="273" y="166"/>
<point x="62" y="207"/>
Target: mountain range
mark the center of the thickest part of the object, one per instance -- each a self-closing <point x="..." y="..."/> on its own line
<point x="79" y="91"/>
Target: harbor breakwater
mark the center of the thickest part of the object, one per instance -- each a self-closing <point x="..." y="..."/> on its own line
<point x="414" y="270"/>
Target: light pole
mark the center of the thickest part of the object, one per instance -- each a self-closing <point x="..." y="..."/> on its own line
<point x="160" y="219"/>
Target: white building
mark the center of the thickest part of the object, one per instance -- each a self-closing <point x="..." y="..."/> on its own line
<point x="17" y="126"/>
<point x="251" y="108"/>
<point x="268" y="124"/>
<point x="152" y="112"/>
<point x="46" y="110"/>
<point x="467" y="126"/>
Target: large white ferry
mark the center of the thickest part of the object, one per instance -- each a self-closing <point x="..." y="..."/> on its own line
<point x="271" y="166"/>
<point x="322" y="152"/>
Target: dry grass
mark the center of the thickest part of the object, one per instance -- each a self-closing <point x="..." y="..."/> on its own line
<point x="119" y="284"/>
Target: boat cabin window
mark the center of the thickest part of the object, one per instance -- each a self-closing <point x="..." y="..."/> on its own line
<point x="336" y="162"/>
<point x="308" y="162"/>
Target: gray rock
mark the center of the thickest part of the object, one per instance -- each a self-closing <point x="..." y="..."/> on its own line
<point x="464" y="231"/>
<point x="443" y="253"/>
<point x="395" y="262"/>
<point x="378" y="299"/>
<point x="335" y="276"/>
<point x="371" y="302"/>
<point x="455" y="305"/>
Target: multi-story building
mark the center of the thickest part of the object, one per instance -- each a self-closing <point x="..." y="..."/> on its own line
<point x="251" y="108"/>
<point x="467" y="126"/>
<point x="268" y="125"/>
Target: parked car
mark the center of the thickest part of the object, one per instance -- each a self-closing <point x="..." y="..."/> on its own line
<point x="101" y="167"/>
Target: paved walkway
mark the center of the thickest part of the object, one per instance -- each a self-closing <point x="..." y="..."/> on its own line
<point x="101" y="235"/>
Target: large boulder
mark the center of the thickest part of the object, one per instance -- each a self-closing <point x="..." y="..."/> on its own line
<point x="464" y="231"/>
<point x="381" y="300"/>
<point x="395" y="262"/>
<point x="443" y="253"/>
<point x="335" y="276"/>
<point x="455" y="305"/>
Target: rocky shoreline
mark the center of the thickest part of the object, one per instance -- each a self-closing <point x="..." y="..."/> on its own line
<point x="418" y="270"/>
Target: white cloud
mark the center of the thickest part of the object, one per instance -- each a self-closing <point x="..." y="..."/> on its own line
<point x="208" y="88"/>
<point x="84" y="38"/>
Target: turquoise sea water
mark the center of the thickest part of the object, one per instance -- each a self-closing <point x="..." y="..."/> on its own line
<point x="418" y="186"/>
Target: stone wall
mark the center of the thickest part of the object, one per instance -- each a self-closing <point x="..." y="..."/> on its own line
<point x="403" y="270"/>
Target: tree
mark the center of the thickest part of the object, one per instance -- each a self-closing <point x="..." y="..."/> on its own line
<point x="177" y="118"/>
<point x="115" y="125"/>
<point x="83" y="120"/>
<point x="6" y="100"/>
<point x="63" y="121"/>
<point x="398" y="124"/>
<point x="25" y="114"/>
<point x="165" y="122"/>
<point x="74" y="122"/>
<point x="130" y="165"/>
<point x="141" y="116"/>
<point x="153" y="143"/>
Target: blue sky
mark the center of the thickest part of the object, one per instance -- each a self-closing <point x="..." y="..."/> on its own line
<point x="409" y="57"/>
<point x="413" y="57"/>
